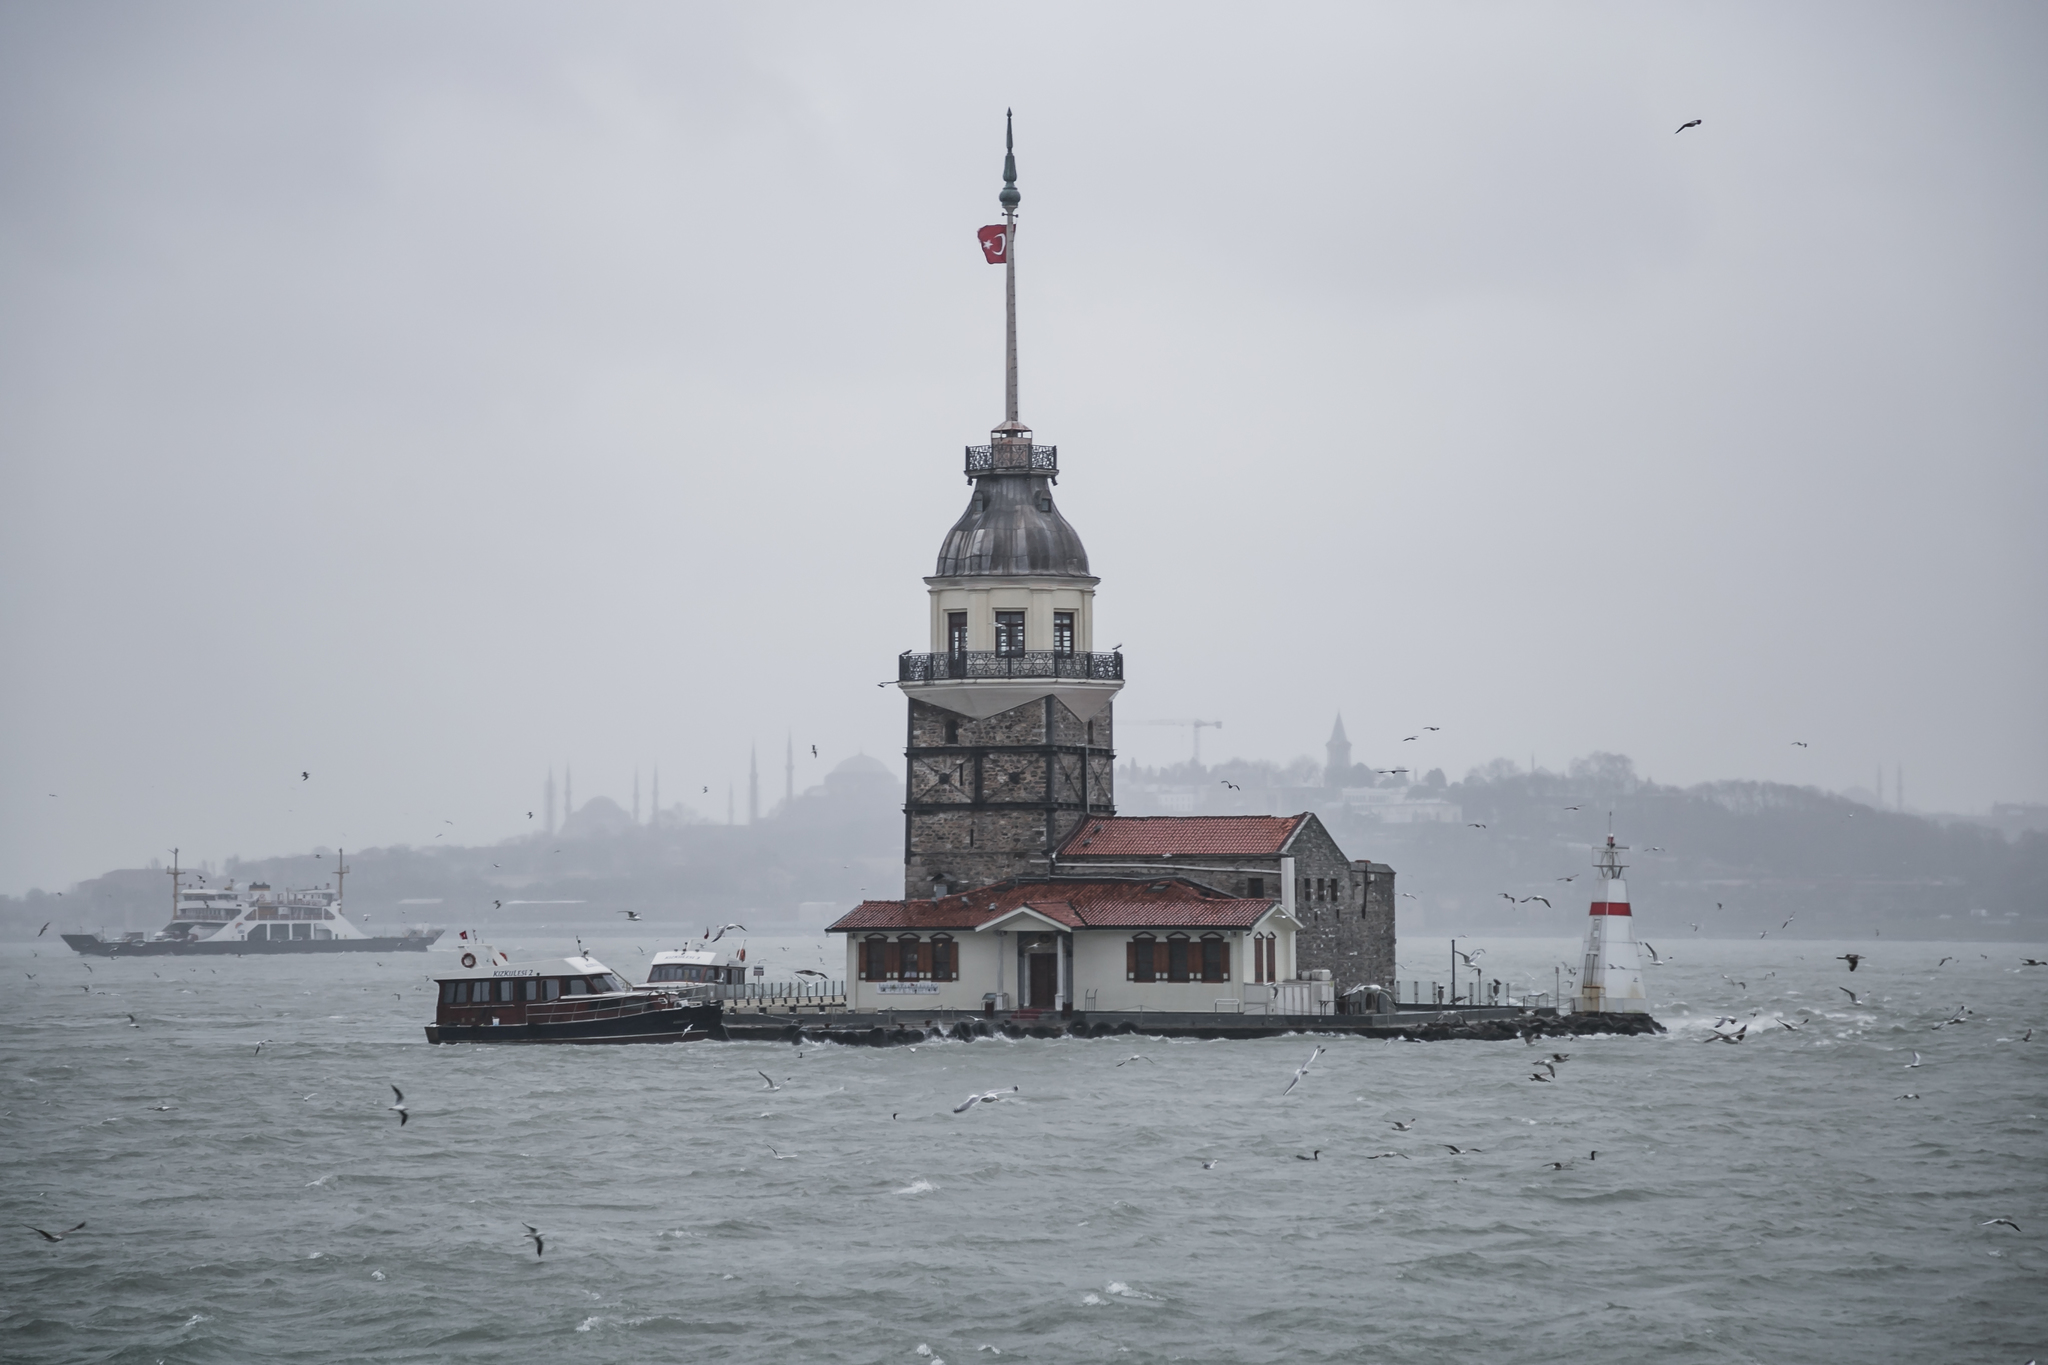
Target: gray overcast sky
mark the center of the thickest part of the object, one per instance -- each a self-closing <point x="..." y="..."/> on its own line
<point x="422" y="394"/>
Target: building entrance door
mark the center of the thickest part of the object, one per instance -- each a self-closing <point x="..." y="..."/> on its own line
<point x="1045" y="980"/>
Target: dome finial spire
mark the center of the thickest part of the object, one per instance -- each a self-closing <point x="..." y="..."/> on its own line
<point x="1009" y="198"/>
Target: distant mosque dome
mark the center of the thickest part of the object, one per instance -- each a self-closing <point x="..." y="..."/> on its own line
<point x="598" y="815"/>
<point x="859" y="772"/>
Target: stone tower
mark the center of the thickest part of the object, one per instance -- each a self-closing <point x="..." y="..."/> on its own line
<point x="1338" y="751"/>
<point x="1010" y="743"/>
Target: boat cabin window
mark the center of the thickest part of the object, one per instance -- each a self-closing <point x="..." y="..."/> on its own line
<point x="529" y="989"/>
<point x="578" y="986"/>
<point x="448" y="989"/>
<point x="672" y="971"/>
<point x="607" y="982"/>
<point x="551" y="989"/>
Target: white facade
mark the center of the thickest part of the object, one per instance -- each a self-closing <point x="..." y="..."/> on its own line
<point x="1087" y="968"/>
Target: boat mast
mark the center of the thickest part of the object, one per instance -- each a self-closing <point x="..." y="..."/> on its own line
<point x="175" y="874"/>
<point x="340" y="871"/>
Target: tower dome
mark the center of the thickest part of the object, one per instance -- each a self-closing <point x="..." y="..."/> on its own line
<point x="1011" y="526"/>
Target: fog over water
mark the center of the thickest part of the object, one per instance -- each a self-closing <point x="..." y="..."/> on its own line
<point x="1774" y="1200"/>
<point x="419" y="397"/>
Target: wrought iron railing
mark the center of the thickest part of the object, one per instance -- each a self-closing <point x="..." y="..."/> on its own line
<point x="978" y="665"/>
<point x="1009" y="457"/>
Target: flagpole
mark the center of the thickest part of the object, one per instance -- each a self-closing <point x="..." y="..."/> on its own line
<point x="1009" y="198"/>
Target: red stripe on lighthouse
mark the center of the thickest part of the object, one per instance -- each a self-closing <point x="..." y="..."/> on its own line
<point x="1611" y="908"/>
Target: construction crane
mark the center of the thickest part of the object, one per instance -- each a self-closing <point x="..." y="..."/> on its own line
<point x="1195" y="728"/>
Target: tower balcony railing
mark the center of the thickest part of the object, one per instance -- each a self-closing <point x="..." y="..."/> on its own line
<point x="1013" y="457"/>
<point x="978" y="665"/>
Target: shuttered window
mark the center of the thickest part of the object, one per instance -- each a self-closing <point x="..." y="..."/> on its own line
<point x="874" y="959"/>
<point x="914" y="959"/>
<point x="1177" y="957"/>
<point x="1138" y="959"/>
<point x="1215" y="958"/>
<point x="945" y="958"/>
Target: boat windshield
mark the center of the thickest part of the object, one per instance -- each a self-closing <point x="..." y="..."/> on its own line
<point x="671" y="971"/>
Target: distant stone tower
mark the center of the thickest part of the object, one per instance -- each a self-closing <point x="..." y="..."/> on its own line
<point x="1010" y="742"/>
<point x="1339" y="750"/>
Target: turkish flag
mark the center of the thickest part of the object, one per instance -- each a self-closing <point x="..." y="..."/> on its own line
<point x="995" y="242"/>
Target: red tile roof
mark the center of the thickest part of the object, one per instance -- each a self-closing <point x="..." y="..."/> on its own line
<point x="1140" y="836"/>
<point x="1104" y="904"/>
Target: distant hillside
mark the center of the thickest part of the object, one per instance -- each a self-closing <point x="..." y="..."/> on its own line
<point x="1760" y="852"/>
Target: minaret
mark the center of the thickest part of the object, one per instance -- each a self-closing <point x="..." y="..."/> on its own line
<point x="753" y="784"/>
<point x="1611" y="975"/>
<point x="548" y="799"/>
<point x="1339" y="751"/>
<point x="1009" y="742"/>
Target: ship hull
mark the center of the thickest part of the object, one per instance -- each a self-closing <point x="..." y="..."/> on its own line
<point x="689" y="1024"/>
<point x="93" y="946"/>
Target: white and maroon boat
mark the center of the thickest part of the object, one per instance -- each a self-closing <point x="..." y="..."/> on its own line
<point x="492" y="999"/>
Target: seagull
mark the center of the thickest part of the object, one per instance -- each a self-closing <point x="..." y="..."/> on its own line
<point x="806" y="971"/>
<point x="1545" y="899"/>
<point x="814" y="751"/>
<point x="1506" y="897"/>
<point x="1432" y="727"/>
<point x="1377" y="1156"/>
<point x="1539" y="1076"/>
<point x="771" y="1081"/>
<point x="1560" y="1165"/>
<point x="1136" y="1057"/>
<point x="46" y="924"/>
<point x="1471" y="959"/>
<point x="1472" y="825"/>
<point x="986" y="1097"/>
<point x="1915" y="1062"/>
<point x="1560" y="1056"/>
<point x="1302" y="1070"/>
<point x="631" y="914"/>
<point x="497" y="905"/>
<point x="714" y="937"/>
<point x="1734" y="1037"/>
<point x="1793" y="1027"/>
<point x="1987" y="1223"/>
<point x="1800" y="744"/>
<point x="51" y="1236"/>
<point x="1313" y="1156"/>
<point x="1401" y="1127"/>
<point x="398" y="1108"/>
<point x="1908" y="1096"/>
<point x="1851" y="958"/>
<point x="1571" y="807"/>
<point x="1459" y="1151"/>
<point x="304" y="775"/>
<point x="2024" y="962"/>
<point x="1655" y="961"/>
<point x="1210" y="1165"/>
<point x="1692" y="123"/>
<point x="1410" y="896"/>
<point x="1574" y="877"/>
<point x="1851" y="994"/>
<point x="533" y="1236"/>
<point x="132" y="1023"/>
<point x="1404" y="741"/>
<point x="1228" y="783"/>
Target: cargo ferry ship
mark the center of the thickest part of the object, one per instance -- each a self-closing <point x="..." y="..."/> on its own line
<point x="255" y="918"/>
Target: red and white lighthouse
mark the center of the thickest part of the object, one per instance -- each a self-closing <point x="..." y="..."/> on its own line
<point x="1611" y="976"/>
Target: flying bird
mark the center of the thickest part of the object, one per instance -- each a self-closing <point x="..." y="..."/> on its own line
<point x="1539" y="1076"/>
<point x="2024" y="962"/>
<point x="1405" y="740"/>
<point x="1851" y="958"/>
<point x="46" y="924"/>
<point x="1401" y="1127"/>
<point x="1915" y="1062"/>
<point x="1432" y="727"/>
<point x="1410" y="896"/>
<point x="399" y="1108"/>
<point x="1471" y="825"/>
<point x="1302" y="1070"/>
<point x="814" y="751"/>
<point x="1136" y="1057"/>
<point x="1545" y="899"/>
<point x="1455" y="1150"/>
<point x="1571" y="807"/>
<point x="986" y="1097"/>
<point x="771" y="1081"/>
<point x="1851" y="994"/>
<point x="1987" y="1223"/>
<point x="1800" y="744"/>
<point x="304" y="776"/>
<point x="630" y="914"/>
<point x="533" y="1236"/>
<point x="1210" y="1165"/>
<point x="806" y="971"/>
<point x="51" y="1236"/>
<point x="720" y="933"/>
<point x="1734" y="1037"/>
<point x="1381" y="1156"/>
<point x="1690" y="123"/>
<point x="1232" y="785"/>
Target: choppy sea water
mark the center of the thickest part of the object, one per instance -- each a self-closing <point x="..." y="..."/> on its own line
<point x="1775" y="1200"/>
